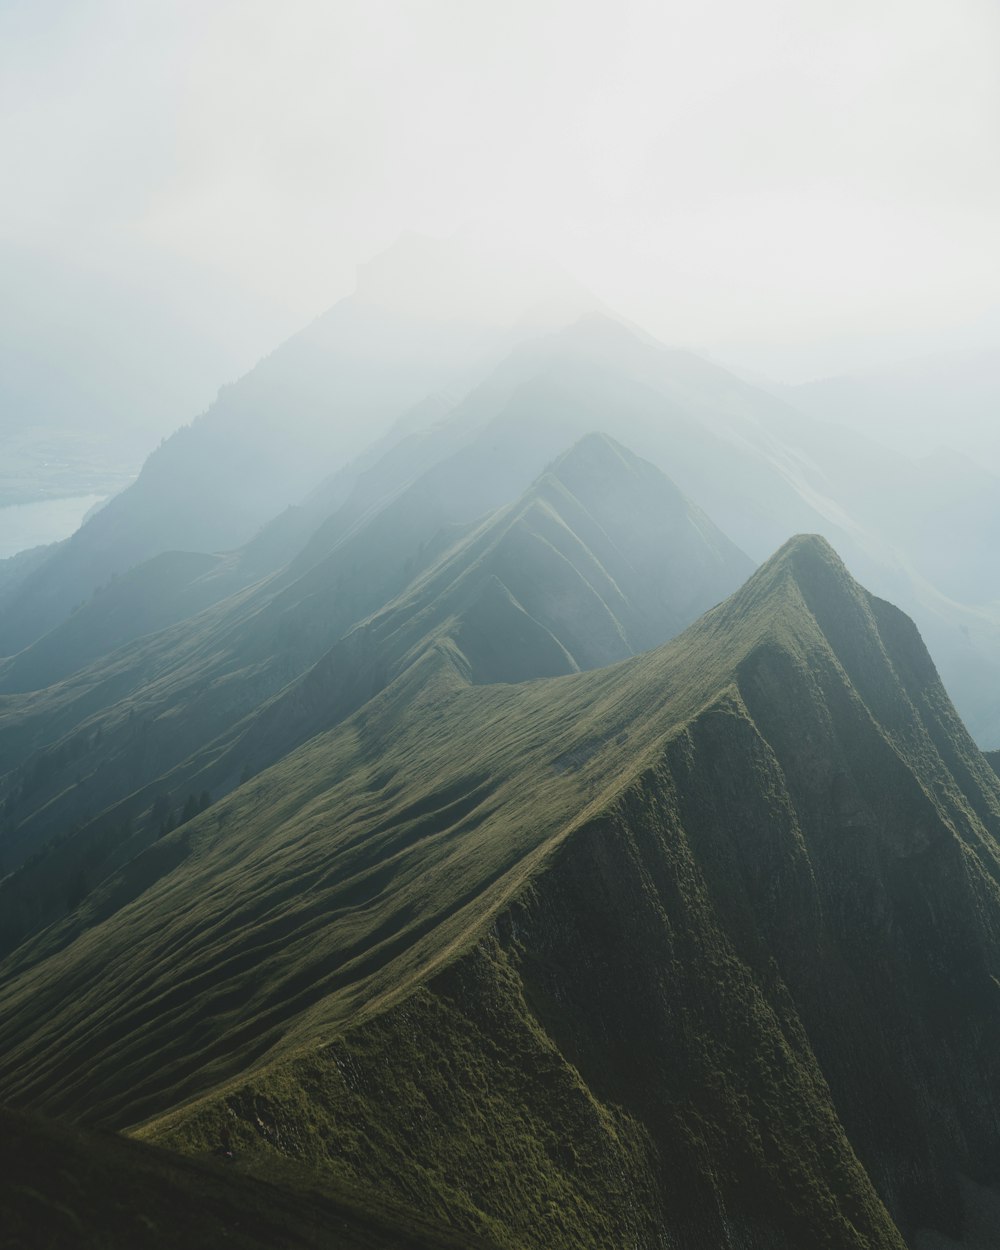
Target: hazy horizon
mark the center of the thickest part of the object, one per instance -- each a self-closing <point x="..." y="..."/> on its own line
<point x="801" y="190"/>
<point x="792" y="192"/>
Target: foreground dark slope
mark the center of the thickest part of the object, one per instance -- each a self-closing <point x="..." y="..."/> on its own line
<point x="697" y="950"/>
<point x="65" y="1186"/>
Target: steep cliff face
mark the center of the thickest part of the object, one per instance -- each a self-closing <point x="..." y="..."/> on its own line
<point x="699" y="950"/>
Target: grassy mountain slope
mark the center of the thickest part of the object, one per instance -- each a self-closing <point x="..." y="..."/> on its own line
<point x="547" y="394"/>
<point x="601" y="558"/>
<point x="162" y="591"/>
<point x="151" y="596"/>
<point x="699" y="949"/>
<point x="140" y="711"/>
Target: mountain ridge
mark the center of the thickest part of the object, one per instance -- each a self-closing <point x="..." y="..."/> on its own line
<point x="503" y="628"/>
<point x="720" y="851"/>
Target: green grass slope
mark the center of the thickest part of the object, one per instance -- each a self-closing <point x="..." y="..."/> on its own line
<point x="150" y="597"/>
<point x="699" y="949"/>
<point x="170" y="587"/>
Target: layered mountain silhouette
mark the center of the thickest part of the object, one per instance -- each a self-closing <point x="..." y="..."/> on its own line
<point x="699" y="949"/>
<point x="317" y="401"/>
<point x="921" y="532"/>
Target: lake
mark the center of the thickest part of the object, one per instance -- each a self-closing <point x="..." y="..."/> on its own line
<point x="25" y="525"/>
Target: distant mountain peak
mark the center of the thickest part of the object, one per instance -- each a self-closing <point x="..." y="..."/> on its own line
<point x="806" y="561"/>
<point x="596" y="448"/>
<point x="811" y="548"/>
<point x="803" y="556"/>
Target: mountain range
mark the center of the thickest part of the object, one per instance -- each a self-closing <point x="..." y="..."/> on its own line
<point x="474" y="804"/>
<point x="259" y="480"/>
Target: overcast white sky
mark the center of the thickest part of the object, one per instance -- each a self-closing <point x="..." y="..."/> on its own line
<point x="800" y="183"/>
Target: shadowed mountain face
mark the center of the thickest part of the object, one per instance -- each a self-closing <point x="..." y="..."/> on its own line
<point x="695" y="950"/>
